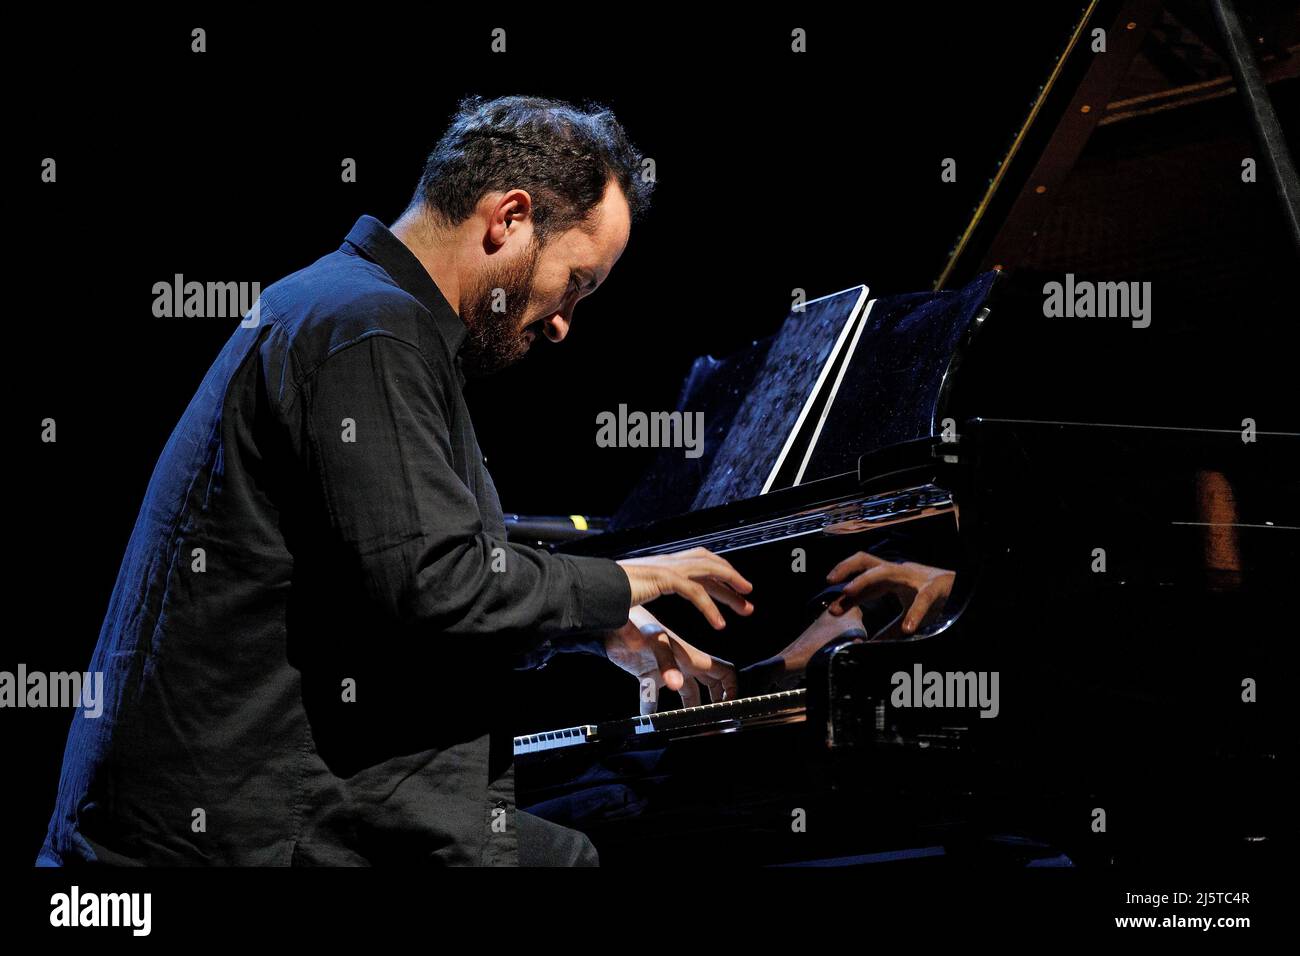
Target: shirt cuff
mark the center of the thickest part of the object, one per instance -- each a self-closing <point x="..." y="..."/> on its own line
<point x="604" y="594"/>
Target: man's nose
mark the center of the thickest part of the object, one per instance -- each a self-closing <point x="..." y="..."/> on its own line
<point x="556" y="328"/>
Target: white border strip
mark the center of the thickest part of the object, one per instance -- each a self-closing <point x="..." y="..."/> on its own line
<point x="835" y="390"/>
<point x="821" y="379"/>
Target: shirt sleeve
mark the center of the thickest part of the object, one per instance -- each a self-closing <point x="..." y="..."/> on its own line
<point x="382" y="447"/>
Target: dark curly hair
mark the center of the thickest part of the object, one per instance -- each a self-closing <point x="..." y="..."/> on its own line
<point x="561" y="154"/>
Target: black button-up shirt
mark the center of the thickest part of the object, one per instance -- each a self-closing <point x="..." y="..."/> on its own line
<point x="307" y="649"/>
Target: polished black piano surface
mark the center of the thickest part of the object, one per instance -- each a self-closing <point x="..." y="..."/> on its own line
<point x="1112" y="676"/>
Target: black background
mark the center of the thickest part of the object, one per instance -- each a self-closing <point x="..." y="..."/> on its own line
<point x="775" y="172"/>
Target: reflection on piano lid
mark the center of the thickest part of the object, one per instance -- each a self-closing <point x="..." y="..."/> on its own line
<point x="842" y="377"/>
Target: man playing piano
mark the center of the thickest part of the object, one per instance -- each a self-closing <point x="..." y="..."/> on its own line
<point x="318" y="598"/>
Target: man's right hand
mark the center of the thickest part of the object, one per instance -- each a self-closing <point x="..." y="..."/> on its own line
<point x="923" y="590"/>
<point x="698" y="575"/>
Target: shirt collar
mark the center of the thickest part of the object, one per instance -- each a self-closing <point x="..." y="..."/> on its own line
<point x="373" y="239"/>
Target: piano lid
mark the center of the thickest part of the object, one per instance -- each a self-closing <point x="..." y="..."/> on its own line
<point x="1101" y="123"/>
<point x="1140" y="127"/>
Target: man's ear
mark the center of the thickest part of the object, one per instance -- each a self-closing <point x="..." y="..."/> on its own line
<point x="509" y="214"/>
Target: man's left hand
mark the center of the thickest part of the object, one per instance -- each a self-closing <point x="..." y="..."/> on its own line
<point x="657" y="658"/>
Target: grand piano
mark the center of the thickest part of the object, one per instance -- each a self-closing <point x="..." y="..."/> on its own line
<point x="1109" y="680"/>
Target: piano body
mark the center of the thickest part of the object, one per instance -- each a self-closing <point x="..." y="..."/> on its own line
<point x="1109" y="680"/>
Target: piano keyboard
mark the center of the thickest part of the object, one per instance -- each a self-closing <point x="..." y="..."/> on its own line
<point x="785" y="702"/>
<point x="554" y="739"/>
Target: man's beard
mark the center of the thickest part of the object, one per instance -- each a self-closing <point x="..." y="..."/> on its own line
<point x="495" y="339"/>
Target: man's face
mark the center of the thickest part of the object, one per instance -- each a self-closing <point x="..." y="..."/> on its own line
<point x="534" y="291"/>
